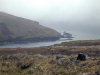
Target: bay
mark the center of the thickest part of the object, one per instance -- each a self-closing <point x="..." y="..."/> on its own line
<point x="32" y="45"/>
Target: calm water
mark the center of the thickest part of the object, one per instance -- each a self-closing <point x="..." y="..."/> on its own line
<point x="81" y="36"/>
<point x="31" y="45"/>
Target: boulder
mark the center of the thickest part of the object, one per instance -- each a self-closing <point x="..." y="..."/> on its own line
<point x="58" y="57"/>
<point x="23" y="65"/>
<point x="81" y="57"/>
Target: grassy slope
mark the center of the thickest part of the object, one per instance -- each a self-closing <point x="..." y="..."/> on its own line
<point x="23" y="28"/>
<point x="81" y="43"/>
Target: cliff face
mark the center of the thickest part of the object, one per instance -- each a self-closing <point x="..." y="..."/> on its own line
<point x="14" y="28"/>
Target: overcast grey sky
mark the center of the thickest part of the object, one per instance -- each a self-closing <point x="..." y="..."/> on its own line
<point x="75" y="16"/>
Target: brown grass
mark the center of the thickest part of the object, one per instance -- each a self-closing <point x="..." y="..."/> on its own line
<point x="42" y="60"/>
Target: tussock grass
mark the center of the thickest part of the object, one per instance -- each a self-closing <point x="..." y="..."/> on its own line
<point x="51" y="60"/>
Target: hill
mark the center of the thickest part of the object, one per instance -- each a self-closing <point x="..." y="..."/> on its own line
<point x="17" y="29"/>
<point x="80" y="43"/>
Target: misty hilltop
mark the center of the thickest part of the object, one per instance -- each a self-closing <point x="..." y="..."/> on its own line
<point x="17" y="29"/>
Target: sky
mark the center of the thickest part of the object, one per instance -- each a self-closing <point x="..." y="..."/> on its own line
<point x="79" y="17"/>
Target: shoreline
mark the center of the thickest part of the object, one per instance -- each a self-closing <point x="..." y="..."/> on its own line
<point x="62" y="48"/>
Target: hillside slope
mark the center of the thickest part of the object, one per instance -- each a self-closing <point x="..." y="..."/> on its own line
<point x="14" y="28"/>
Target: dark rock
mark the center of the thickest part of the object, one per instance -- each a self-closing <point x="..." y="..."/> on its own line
<point x="81" y="57"/>
<point x="4" y="58"/>
<point x="13" y="58"/>
<point x="97" y="73"/>
<point x="23" y="66"/>
<point x="58" y="57"/>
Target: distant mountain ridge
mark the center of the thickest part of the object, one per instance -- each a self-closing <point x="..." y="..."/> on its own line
<point x="17" y="29"/>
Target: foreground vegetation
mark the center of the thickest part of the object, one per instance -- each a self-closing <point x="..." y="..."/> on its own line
<point x="52" y="60"/>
